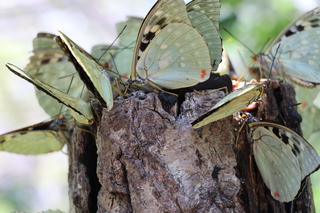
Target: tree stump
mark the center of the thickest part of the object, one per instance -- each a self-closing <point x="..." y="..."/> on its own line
<point x="140" y="158"/>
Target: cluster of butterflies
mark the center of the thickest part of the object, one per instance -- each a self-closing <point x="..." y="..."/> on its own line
<point x="177" y="46"/>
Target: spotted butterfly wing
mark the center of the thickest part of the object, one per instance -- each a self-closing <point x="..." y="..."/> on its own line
<point x="297" y="51"/>
<point x="204" y="16"/>
<point x="231" y="104"/>
<point x="92" y="74"/>
<point x="50" y="65"/>
<point x="283" y="158"/>
<point x="41" y="138"/>
<point x="169" y="52"/>
<point x="79" y="109"/>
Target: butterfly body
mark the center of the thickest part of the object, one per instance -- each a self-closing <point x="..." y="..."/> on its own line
<point x="284" y="158"/>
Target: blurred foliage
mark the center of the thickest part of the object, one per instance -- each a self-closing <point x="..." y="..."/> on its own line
<point x="93" y="22"/>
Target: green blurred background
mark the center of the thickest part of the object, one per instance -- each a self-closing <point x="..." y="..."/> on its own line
<point x="35" y="183"/>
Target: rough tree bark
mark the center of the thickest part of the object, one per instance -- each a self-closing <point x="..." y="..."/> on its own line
<point x="139" y="158"/>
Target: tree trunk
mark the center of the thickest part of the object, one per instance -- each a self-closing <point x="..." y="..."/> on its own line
<point x="139" y="158"/>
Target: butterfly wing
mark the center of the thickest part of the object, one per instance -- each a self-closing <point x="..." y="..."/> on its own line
<point x="92" y="74"/>
<point x="303" y="23"/>
<point x="230" y="104"/>
<point x="163" y="13"/>
<point x="297" y="51"/>
<point x="283" y="158"/>
<point x="204" y="16"/>
<point x="178" y="58"/>
<point x="78" y="108"/>
<point x="49" y="64"/>
<point x="155" y="61"/>
<point x="38" y="139"/>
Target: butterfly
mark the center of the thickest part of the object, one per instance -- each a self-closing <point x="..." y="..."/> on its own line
<point x="49" y="64"/>
<point x="169" y="53"/>
<point x="78" y="108"/>
<point x="204" y="16"/>
<point x="231" y="104"/>
<point x="295" y="52"/>
<point x="94" y="76"/>
<point x="40" y="138"/>
<point x="283" y="158"/>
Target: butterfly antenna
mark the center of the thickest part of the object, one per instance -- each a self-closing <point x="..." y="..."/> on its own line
<point x="115" y="65"/>
<point x="61" y="107"/>
<point x="264" y="45"/>
<point x="272" y="63"/>
<point x="238" y="40"/>
<point x="247" y="67"/>
<point x="106" y="50"/>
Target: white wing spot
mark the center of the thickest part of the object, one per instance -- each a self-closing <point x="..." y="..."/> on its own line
<point x="182" y="65"/>
<point x="158" y="13"/>
<point x="163" y="64"/>
<point x="196" y="6"/>
<point x="163" y="46"/>
<point x="310" y="62"/>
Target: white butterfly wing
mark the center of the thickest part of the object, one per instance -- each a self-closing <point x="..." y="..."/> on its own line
<point x="277" y="165"/>
<point x="178" y="58"/>
<point x="293" y="71"/>
<point x="230" y="104"/>
<point x="298" y="53"/>
<point x="305" y="22"/>
<point x="283" y="158"/>
<point x="205" y="16"/>
<point x="50" y="65"/>
<point x="210" y="34"/>
<point x="32" y="142"/>
<point x="163" y="13"/>
<point x="211" y="8"/>
<point x="78" y="108"/>
<point x="92" y="74"/>
<point x="41" y="138"/>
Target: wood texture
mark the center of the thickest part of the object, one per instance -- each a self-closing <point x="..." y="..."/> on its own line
<point x="148" y="160"/>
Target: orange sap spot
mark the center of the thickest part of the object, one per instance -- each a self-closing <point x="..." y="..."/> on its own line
<point x="203" y="73"/>
<point x="304" y="104"/>
<point x="106" y="65"/>
<point x="255" y="57"/>
<point x="251" y="106"/>
<point x="125" y="75"/>
<point x="276" y="194"/>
